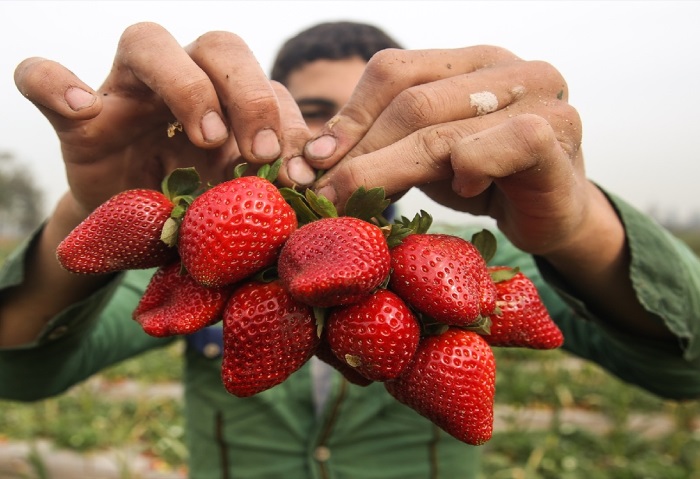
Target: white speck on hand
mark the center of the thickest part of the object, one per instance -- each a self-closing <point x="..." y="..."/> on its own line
<point x="484" y="102"/>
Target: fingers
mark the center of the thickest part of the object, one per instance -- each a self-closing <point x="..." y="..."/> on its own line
<point x="212" y="85"/>
<point x="391" y="74"/>
<point x="465" y="159"/>
<point x="523" y="149"/>
<point x="156" y="83"/>
<point x="248" y="99"/>
<point x="295" y="170"/>
<point x="503" y="90"/>
<point x="56" y="91"/>
<point x="519" y="173"/>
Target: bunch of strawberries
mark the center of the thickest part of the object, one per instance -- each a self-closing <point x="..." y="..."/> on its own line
<point x="289" y="278"/>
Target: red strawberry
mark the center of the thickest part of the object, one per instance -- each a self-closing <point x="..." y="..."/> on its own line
<point x="451" y="381"/>
<point x="521" y="319"/>
<point x="325" y="354"/>
<point x="334" y="261"/>
<point x="174" y="303"/>
<point x="123" y="233"/>
<point x="267" y="336"/>
<point x="234" y="230"/>
<point x="444" y="277"/>
<point x="377" y="336"/>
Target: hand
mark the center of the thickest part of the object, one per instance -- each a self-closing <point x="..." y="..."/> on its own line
<point x="477" y="129"/>
<point x="117" y="137"/>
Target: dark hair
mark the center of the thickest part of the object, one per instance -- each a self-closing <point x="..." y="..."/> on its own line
<point x="329" y="41"/>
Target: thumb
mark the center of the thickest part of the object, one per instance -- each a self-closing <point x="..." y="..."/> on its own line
<point x="60" y="95"/>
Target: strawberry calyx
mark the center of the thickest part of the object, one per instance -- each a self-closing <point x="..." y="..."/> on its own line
<point x="482" y="326"/>
<point x="320" y="315"/>
<point x="432" y="327"/>
<point x="268" y="171"/>
<point x="503" y="273"/>
<point x="364" y="204"/>
<point x="368" y="205"/>
<point x="402" y="227"/>
<point x="181" y="187"/>
<point x="485" y="242"/>
<point x="308" y="206"/>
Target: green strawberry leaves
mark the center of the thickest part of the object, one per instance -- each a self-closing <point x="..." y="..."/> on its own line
<point x="181" y="186"/>
<point x="486" y="243"/>
<point x="503" y="274"/>
<point x="367" y="204"/>
<point x="308" y="206"/>
<point x="181" y="182"/>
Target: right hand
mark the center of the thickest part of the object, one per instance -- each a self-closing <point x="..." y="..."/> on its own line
<point x="116" y="138"/>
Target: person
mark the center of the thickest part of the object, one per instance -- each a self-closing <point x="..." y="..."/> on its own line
<point x="476" y="128"/>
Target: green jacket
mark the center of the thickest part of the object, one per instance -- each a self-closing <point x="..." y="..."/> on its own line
<point x="363" y="432"/>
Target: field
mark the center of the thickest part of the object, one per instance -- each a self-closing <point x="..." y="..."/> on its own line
<point x="556" y="418"/>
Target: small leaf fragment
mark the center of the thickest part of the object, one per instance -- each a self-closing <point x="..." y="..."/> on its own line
<point x="503" y="274"/>
<point x="353" y="361"/>
<point x="168" y="234"/>
<point x="486" y="243"/>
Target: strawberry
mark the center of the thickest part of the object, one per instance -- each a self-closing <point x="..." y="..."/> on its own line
<point x="334" y="261"/>
<point x="173" y="303"/>
<point x="451" y="381"/>
<point x="267" y="336"/>
<point x="122" y="233"/>
<point x="234" y="230"/>
<point x="377" y="336"/>
<point x="444" y="277"/>
<point x="324" y="353"/>
<point x="521" y="319"/>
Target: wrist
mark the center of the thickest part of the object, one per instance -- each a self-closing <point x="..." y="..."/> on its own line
<point x="597" y="245"/>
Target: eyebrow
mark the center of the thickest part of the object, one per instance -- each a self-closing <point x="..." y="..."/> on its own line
<point x="319" y="102"/>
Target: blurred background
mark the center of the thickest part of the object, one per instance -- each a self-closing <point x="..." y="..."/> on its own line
<point x="632" y="70"/>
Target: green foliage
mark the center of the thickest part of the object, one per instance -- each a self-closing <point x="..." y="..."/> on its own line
<point x="691" y="238"/>
<point x="20" y="198"/>
<point x="86" y="420"/>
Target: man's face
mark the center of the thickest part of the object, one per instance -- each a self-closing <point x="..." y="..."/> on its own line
<point x="322" y="87"/>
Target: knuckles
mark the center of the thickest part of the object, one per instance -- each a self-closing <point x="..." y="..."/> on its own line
<point x="414" y="108"/>
<point x="385" y="65"/>
<point x="138" y="33"/>
<point x="534" y="134"/>
<point x="220" y="41"/>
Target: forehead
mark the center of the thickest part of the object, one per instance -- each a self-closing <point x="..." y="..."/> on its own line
<point x="329" y="79"/>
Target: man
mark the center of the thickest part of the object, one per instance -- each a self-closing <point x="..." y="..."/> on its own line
<point x="477" y="129"/>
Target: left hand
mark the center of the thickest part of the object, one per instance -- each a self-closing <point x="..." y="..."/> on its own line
<point x="477" y="129"/>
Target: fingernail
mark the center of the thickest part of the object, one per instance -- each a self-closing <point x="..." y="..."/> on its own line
<point x="77" y="98"/>
<point x="266" y="146"/>
<point x="300" y="172"/>
<point x="321" y="148"/>
<point x="329" y="192"/>
<point x="213" y="127"/>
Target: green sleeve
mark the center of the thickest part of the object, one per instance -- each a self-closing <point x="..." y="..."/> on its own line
<point x="80" y="341"/>
<point x="666" y="276"/>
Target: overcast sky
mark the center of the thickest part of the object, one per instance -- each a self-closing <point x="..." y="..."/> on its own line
<point x="632" y="69"/>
